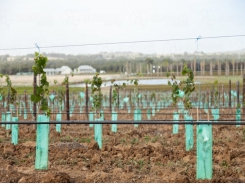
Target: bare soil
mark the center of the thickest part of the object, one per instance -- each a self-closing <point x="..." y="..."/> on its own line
<point x="148" y="153"/>
<point x="27" y="80"/>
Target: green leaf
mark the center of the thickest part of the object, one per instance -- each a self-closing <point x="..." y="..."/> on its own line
<point x="36" y="98"/>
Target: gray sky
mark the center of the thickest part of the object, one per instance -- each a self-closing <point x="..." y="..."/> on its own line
<point x="66" y="22"/>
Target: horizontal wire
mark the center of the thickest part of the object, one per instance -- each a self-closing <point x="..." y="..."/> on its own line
<point x="126" y="42"/>
<point x="132" y="122"/>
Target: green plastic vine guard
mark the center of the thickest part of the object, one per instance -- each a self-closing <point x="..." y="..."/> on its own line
<point x="215" y="113"/>
<point x="98" y="132"/>
<point x="42" y="139"/>
<point x="25" y="113"/>
<point x="91" y="118"/>
<point x="137" y="116"/>
<point x="181" y="107"/>
<point x="3" y="118"/>
<point x="129" y="108"/>
<point x="158" y="106"/>
<point x="153" y="111"/>
<point x="135" y="104"/>
<point x="148" y="114"/>
<point x="80" y="109"/>
<point x="102" y="115"/>
<point x="15" y="131"/>
<point x="52" y="97"/>
<point x="188" y="133"/>
<point x="71" y="110"/>
<point x="63" y="106"/>
<point x="143" y="104"/>
<point x="20" y="109"/>
<point x="113" y="108"/>
<point x="181" y="94"/>
<point x="12" y="108"/>
<point x="204" y="152"/>
<point x="58" y="126"/>
<point x="206" y="108"/>
<point x="175" y="119"/>
<point x="82" y="95"/>
<point x="8" y="119"/>
<point x="238" y="117"/>
<point x="121" y="102"/>
<point x="114" y="118"/>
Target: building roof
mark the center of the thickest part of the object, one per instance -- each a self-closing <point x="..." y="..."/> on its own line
<point x="63" y="68"/>
<point x="86" y="67"/>
<point x="49" y="69"/>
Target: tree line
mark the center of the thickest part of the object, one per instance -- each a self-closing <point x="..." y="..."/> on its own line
<point x="147" y="64"/>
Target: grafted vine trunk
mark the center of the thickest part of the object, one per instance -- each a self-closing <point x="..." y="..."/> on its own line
<point x="238" y="102"/>
<point x="243" y="93"/>
<point x="67" y="103"/>
<point x="177" y="67"/>
<point x="229" y="93"/>
<point x="34" y="104"/>
<point x="86" y="101"/>
<point x="181" y="66"/>
<point x="219" y="68"/>
<point x="194" y="67"/>
<point x="241" y="69"/>
<point x="110" y="98"/>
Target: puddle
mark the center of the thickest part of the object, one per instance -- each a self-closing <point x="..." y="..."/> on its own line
<point x="140" y="82"/>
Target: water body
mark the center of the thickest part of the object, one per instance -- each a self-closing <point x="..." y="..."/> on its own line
<point x="140" y="82"/>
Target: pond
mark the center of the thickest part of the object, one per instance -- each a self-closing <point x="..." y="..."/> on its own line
<point x="140" y="82"/>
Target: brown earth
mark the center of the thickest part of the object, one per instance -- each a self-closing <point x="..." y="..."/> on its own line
<point x="27" y="80"/>
<point x="149" y="153"/>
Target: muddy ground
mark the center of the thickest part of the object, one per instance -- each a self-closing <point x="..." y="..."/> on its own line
<point x="149" y="153"/>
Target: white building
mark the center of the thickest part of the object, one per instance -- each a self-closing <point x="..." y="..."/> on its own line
<point x="102" y="71"/>
<point x="49" y="71"/>
<point x="64" y="70"/>
<point x="84" y="69"/>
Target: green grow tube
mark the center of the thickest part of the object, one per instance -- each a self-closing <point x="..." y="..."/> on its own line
<point x="42" y="139"/>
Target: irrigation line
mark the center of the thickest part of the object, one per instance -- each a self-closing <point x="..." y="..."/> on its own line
<point x="152" y="122"/>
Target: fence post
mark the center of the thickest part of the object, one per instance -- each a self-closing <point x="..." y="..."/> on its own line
<point x="223" y="96"/>
<point x="3" y="100"/>
<point x="110" y="97"/>
<point x="219" y="96"/>
<point x="118" y="99"/>
<point x="86" y="100"/>
<point x="138" y="100"/>
<point x="237" y="88"/>
<point x="243" y="93"/>
<point x="8" y="100"/>
<point x="229" y="93"/>
<point x="34" y="104"/>
<point x="208" y="98"/>
<point x="67" y="103"/>
<point x="25" y="97"/>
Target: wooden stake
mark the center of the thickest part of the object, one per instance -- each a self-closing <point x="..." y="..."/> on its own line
<point x="208" y="114"/>
<point x="197" y="115"/>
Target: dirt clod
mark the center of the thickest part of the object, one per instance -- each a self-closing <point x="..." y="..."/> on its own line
<point x="93" y="145"/>
<point x="56" y="177"/>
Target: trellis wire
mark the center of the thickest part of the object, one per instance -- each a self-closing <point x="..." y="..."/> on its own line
<point x="153" y="122"/>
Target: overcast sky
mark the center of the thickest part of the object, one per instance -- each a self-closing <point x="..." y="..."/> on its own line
<point x="66" y="22"/>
